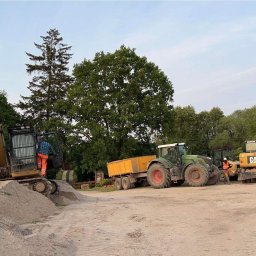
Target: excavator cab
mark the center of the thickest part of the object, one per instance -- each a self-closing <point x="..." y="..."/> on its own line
<point x="23" y="152"/>
<point x="20" y="162"/>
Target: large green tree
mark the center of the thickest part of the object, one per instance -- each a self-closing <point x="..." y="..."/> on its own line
<point x="119" y="102"/>
<point x="8" y="115"/>
<point x="235" y="129"/>
<point x="196" y="129"/>
<point x="50" y="82"/>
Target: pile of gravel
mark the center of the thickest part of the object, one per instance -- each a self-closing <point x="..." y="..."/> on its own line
<point x="18" y="240"/>
<point x="21" y="205"/>
<point x="66" y="194"/>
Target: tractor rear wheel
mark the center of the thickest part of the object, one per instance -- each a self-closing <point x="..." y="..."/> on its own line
<point x="158" y="176"/>
<point x="196" y="175"/>
<point x="118" y="183"/>
<point x="126" y="184"/>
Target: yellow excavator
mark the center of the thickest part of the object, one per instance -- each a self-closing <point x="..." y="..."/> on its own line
<point x="247" y="161"/>
<point x="20" y="161"/>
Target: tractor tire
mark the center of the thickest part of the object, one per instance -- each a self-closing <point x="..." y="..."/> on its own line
<point x="118" y="184"/>
<point x="178" y="183"/>
<point x="126" y="184"/>
<point x="216" y="178"/>
<point x="158" y="176"/>
<point x="196" y="175"/>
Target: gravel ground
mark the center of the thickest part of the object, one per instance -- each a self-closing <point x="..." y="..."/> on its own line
<point x="212" y="220"/>
<point x="23" y="213"/>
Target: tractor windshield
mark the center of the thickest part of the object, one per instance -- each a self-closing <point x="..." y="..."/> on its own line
<point x="163" y="151"/>
<point x="169" y="153"/>
<point x="182" y="149"/>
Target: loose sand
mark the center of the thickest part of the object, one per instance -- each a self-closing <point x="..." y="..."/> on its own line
<point x="205" y="221"/>
<point x="19" y="205"/>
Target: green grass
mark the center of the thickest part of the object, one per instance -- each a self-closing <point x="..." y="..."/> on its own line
<point x="101" y="189"/>
<point x="35" y="221"/>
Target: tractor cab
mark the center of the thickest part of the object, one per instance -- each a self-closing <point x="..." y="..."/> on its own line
<point x="172" y="152"/>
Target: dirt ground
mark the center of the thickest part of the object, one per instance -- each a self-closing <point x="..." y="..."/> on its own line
<point x="212" y="220"/>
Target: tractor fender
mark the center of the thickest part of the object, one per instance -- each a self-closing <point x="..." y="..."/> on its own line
<point x="162" y="161"/>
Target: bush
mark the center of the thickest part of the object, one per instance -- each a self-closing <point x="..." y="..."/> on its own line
<point x="104" y="182"/>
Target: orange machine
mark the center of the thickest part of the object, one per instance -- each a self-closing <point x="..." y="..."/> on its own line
<point x="19" y="162"/>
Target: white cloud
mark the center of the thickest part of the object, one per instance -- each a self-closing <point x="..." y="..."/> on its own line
<point x="205" y="87"/>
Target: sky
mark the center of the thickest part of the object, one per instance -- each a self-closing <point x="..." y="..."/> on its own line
<point x="207" y="49"/>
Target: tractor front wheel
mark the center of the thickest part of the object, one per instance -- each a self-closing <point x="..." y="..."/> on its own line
<point x="158" y="176"/>
<point x="196" y="175"/>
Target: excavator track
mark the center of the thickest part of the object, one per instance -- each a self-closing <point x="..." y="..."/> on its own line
<point x="41" y="185"/>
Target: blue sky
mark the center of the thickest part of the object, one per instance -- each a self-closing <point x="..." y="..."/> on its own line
<point x="207" y="49"/>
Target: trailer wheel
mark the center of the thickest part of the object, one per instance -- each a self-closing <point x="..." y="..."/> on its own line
<point x="158" y="176"/>
<point x="126" y="183"/>
<point x="118" y="184"/>
<point x="196" y="175"/>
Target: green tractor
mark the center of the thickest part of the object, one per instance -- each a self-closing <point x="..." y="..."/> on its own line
<point x="173" y="167"/>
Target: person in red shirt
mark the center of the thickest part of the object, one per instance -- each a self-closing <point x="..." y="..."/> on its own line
<point x="225" y="167"/>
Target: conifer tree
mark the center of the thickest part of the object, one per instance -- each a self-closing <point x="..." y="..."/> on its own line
<point x="50" y="82"/>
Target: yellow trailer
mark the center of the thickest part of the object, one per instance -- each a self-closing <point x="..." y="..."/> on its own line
<point x="128" y="171"/>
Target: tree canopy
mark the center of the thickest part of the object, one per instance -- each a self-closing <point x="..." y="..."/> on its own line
<point x="50" y="82"/>
<point x="119" y="101"/>
<point x="8" y="115"/>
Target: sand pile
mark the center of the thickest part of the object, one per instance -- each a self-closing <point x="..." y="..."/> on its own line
<point x="66" y="194"/>
<point x="18" y="206"/>
<point x="21" y="205"/>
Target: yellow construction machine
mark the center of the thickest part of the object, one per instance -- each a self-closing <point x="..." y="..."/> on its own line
<point x="19" y="162"/>
<point x="247" y="162"/>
